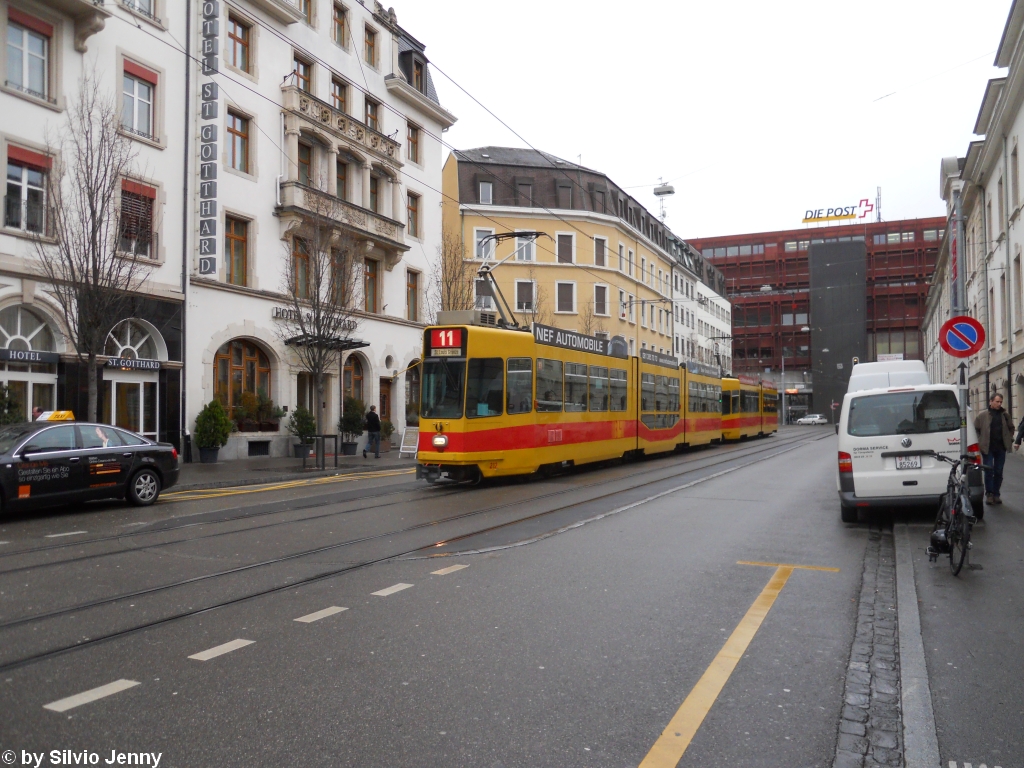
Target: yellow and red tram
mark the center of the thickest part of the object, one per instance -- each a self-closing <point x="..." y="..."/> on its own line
<point x="497" y="402"/>
<point x="749" y="408"/>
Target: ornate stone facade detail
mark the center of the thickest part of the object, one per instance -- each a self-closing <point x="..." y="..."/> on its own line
<point x="390" y="234"/>
<point x="342" y="125"/>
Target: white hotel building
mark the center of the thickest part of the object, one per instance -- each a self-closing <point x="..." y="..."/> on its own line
<point x="313" y="98"/>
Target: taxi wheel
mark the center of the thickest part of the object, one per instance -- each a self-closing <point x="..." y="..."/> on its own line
<point x="144" y="488"/>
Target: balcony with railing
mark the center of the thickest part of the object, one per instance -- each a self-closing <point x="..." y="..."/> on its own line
<point x="25" y="216"/>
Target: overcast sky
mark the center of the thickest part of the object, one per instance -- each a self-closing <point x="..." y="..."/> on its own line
<point x="755" y="111"/>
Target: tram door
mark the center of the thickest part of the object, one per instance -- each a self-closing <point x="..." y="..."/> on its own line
<point x="129" y="400"/>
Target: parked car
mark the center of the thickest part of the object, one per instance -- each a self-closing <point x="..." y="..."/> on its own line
<point x="44" y="463"/>
<point x="887" y="441"/>
<point x="812" y="418"/>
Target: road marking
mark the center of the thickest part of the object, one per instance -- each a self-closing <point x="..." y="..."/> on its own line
<point x="392" y="589"/>
<point x="220" y="650"/>
<point x="449" y="569"/>
<point x="63" y="705"/>
<point x="789" y="565"/>
<point x="69" y="533"/>
<point x="670" y="746"/>
<point x="216" y="493"/>
<point x="311" y="617"/>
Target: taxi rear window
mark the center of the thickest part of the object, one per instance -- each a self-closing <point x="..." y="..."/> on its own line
<point x="904" y="413"/>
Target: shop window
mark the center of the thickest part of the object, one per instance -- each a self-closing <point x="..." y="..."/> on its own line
<point x="241" y="367"/>
<point x="353" y="375"/>
<point x="412" y="395"/>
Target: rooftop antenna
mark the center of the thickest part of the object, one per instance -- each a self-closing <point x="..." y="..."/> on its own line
<point x="878" y="205"/>
<point x="661" y="192"/>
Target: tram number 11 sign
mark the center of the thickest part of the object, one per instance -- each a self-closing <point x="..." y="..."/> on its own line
<point x="962" y="336"/>
<point x="446" y="343"/>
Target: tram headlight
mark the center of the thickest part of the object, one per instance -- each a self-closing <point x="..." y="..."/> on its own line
<point x="440" y="442"/>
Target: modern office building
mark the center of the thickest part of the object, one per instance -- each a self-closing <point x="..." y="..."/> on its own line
<point x="782" y="282"/>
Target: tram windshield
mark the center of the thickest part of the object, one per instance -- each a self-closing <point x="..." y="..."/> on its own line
<point x="443" y="388"/>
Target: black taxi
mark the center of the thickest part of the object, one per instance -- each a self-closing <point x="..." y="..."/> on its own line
<point x="45" y="463"/>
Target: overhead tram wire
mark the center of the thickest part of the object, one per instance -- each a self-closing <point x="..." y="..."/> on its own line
<point x="180" y="49"/>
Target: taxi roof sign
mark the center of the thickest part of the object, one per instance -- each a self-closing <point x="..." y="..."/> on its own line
<point x="56" y="416"/>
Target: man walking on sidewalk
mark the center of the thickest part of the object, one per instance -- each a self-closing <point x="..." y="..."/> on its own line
<point x="372" y="432"/>
<point x="995" y="438"/>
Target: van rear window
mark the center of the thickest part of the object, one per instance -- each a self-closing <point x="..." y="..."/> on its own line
<point x="904" y="413"/>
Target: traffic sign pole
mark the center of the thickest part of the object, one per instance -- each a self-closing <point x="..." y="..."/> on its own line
<point x="962" y="336"/>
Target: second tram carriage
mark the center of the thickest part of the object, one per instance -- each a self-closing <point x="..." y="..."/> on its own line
<point x="749" y="408"/>
<point x="498" y="402"/>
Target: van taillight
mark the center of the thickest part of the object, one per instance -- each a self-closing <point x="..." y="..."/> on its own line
<point x="974" y="452"/>
<point x="845" y="462"/>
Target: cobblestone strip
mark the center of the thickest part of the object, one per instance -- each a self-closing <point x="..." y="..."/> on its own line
<point x="870" y="731"/>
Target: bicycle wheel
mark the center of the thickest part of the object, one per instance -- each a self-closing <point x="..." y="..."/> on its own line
<point x="958" y="534"/>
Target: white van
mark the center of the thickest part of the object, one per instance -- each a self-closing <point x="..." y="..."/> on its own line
<point x="886" y="437"/>
<point x="893" y="373"/>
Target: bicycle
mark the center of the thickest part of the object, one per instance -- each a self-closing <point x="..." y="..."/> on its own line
<point x="957" y="513"/>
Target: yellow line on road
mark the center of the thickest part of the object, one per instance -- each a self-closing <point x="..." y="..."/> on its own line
<point x="674" y="740"/>
<point x="789" y="565"/>
<point x="216" y="493"/>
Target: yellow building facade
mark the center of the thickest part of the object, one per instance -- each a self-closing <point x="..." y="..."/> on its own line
<point x="598" y="268"/>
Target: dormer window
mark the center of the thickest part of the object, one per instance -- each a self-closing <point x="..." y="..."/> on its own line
<point x="414" y="67"/>
<point x="418" y="81"/>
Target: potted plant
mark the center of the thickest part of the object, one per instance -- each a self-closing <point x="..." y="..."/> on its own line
<point x="351" y="425"/>
<point x="213" y="425"/>
<point x="303" y="426"/>
<point x="268" y="414"/>
<point x="246" y="413"/>
<point x="387" y="429"/>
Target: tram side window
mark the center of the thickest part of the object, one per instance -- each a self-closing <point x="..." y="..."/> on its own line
<point x="485" y="387"/>
<point x="575" y="387"/>
<point x="770" y="403"/>
<point x="598" y="388"/>
<point x="661" y="393"/>
<point x="673" y="395"/>
<point x="748" y="401"/>
<point x="718" y="399"/>
<point x="442" y="388"/>
<point x="647" y="392"/>
<point x="549" y="385"/>
<point x="520" y="385"/>
<point x="618" y="389"/>
<point x="691" y="398"/>
<point x="735" y="397"/>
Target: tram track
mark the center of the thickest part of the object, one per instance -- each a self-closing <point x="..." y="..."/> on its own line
<point x="764" y="453"/>
<point x="421" y="494"/>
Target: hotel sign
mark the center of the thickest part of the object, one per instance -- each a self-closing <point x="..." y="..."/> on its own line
<point x="841" y="213"/>
<point x="208" y="141"/>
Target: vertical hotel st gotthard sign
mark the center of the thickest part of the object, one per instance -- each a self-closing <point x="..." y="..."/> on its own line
<point x="208" y="141"/>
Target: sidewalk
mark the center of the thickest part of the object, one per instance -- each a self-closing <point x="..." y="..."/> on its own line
<point x="266" y="470"/>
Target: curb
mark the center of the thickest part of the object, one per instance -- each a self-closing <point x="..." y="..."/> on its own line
<point x="281" y="478"/>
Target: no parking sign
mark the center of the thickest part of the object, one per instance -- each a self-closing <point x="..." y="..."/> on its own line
<point x="961" y="336"/>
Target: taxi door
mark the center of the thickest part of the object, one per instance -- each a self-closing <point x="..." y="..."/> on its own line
<point x="48" y="467"/>
<point x="106" y="460"/>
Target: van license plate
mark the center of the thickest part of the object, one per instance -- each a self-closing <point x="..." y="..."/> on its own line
<point x="908" y="462"/>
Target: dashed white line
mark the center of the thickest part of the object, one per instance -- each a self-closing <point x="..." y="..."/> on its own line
<point x="63" y="705"/>
<point x="953" y="764"/>
<point x="311" y="617"/>
<point x="391" y="590"/>
<point x="220" y="650"/>
<point x="69" y="533"/>
<point x="449" y="569"/>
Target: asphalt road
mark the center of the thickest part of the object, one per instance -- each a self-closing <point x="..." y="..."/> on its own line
<point x="549" y="623"/>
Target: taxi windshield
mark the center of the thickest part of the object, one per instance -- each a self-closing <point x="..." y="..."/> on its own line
<point x="11" y="435"/>
<point x="443" y="385"/>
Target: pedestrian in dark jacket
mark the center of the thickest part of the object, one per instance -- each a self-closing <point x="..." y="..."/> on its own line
<point x="372" y="432"/>
<point x="995" y="438"/>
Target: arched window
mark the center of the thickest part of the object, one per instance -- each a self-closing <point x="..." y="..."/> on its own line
<point x="240" y="366"/>
<point x="131" y="340"/>
<point x="354" y="378"/>
<point x="30" y="384"/>
<point x="23" y="330"/>
<point x="412" y="395"/>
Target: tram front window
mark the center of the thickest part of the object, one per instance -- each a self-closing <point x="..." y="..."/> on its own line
<point x="443" y="383"/>
<point x="485" y="387"/>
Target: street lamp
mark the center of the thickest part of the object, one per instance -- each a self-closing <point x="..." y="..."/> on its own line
<point x="803" y="329"/>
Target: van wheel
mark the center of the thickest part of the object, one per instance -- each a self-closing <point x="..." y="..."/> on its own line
<point x="848" y="514"/>
<point x="144" y="488"/>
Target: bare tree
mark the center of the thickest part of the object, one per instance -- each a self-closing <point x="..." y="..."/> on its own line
<point x="323" y="282"/>
<point x="452" y="285"/>
<point x="92" y="252"/>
